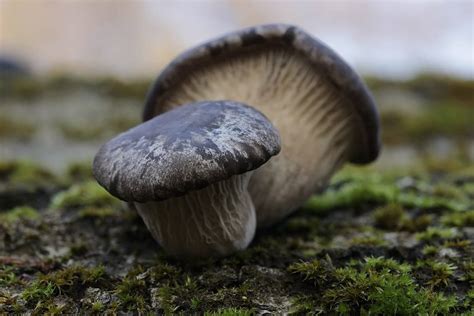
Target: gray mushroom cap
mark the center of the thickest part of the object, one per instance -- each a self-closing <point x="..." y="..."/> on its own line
<point x="185" y="149"/>
<point x="254" y="39"/>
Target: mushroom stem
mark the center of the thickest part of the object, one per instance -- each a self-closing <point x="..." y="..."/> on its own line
<point x="216" y="220"/>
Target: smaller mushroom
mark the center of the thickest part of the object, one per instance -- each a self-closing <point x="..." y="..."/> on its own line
<point x="186" y="172"/>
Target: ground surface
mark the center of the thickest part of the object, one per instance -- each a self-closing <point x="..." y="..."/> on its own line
<point x="394" y="238"/>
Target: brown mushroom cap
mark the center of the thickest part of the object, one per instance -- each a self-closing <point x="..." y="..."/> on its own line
<point x="251" y="74"/>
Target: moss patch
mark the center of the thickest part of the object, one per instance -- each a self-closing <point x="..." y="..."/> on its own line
<point x="359" y="188"/>
<point x="19" y="213"/>
<point x="25" y="173"/>
<point x="16" y="129"/>
<point x="371" y="286"/>
<point x="375" y="242"/>
<point x="356" y="255"/>
<point x="30" y="87"/>
<point x="86" y="194"/>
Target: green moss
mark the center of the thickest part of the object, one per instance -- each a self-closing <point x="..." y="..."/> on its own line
<point x="461" y="219"/>
<point x="456" y="162"/>
<point x="355" y="189"/>
<point x="447" y="108"/>
<point x="230" y="312"/>
<point x="23" y="88"/>
<point x="97" y="307"/>
<point x="460" y="243"/>
<point x="103" y="129"/>
<point x="441" y="272"/>
<point x="195" y="303"/>
<point x="38" y="291"/>
<point x="16" y="129"/>
<point x="30" y="88"/>
<point x="67" y="281"/>
<point x="435" y="233"/>
<point x="67" y="276"/>
<point x="78" y="249"/>
<point x="87" y="194"/>
<point x="369" y="240"/>
<point x="315" y="270"/>
<point x="55" y="309"/>
<point x="163" y="271"/>
<point x="400" y="202"/>
<point x="431" y="202"/>
<point x="123" y="89"/>
<point x="389" y="216"/>
<point x="448" y="191"/>
<point x="447" y="119"/>
<point x="79" y="171"/>
<point x="352" y="195"/>
<point x="165" y="298"/>
<point x="430" y="250"/>
<point x="377" y="286"/>
<point x="8" y="276"/>
<point x="468" y="188"/>
<point x="468" y="276"/>
<point x="416" y="224"/>
<point x="19" y="213"/>
<point x="79" y="133"/>
<point x="97" y="212"/>
<point x="25" y="173"/>
<point x="132" y="290"/>
<point x="183" y="291"/>
<point x="440" y="86"/>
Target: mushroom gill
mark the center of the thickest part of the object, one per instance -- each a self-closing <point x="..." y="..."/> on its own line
<point x="316" y="122"/>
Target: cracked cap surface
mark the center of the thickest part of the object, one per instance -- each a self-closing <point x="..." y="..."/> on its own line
<point x="185" y="149"/>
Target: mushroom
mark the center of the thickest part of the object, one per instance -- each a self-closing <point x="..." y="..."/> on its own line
<point x="186" y="172"/>
<point x="322" y="109"/>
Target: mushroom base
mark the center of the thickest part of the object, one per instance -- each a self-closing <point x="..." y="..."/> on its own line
<point x="215" y="221"/>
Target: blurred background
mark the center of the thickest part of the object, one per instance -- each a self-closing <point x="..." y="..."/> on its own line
<point x="75" y="73"/>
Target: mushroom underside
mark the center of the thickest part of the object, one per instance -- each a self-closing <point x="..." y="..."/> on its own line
<point x="318" y="125"/>
<point x="214" y="221"/>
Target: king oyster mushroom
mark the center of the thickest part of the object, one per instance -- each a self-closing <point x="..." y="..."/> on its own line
<point x="322" y="109"/>
<point x="186" y="172"/>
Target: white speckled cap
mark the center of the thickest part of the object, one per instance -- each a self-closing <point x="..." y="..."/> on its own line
<point x="185" y="149"/>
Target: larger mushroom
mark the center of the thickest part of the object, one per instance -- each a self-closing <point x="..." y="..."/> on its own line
<point x="186" y="172"/>
<point x="322" y="109"/>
